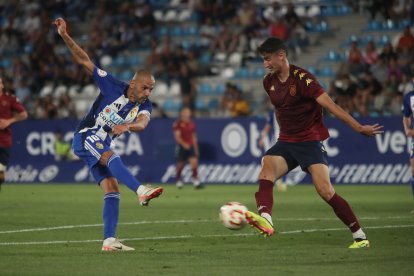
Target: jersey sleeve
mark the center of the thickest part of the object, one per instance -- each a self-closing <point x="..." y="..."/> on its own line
<point x="310" y="87"/>
<point x="16" y="105"/>
<point x="407" y="111"/>
<point x="107" y="83"/>
<point x="145" y="108"/>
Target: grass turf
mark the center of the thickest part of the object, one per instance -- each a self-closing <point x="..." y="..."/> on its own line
<point x="56" y="230"/>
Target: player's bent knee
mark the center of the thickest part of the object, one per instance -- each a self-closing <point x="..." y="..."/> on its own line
<point x="105" y="157"/>
<point x="110" y="185"/>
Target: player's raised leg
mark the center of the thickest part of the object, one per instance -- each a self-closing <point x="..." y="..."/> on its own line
<point x="120" y="171"/>
<point x="320" y="177"/>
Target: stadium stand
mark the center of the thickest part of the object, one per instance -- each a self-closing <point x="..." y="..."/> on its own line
<point x="162" y="35"/>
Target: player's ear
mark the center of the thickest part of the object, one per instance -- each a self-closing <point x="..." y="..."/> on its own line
<point x="132" y="83"/>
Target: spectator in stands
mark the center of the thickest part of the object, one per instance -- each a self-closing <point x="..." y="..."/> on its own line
<point x="370" y="54"/>
<point x="406" y="84"/>
<point x="355" y="62"/>
<point x="239" y="107"/>
<point x="406" y="41"/>
<point x="187" y="82"/>
<point x="278" y="28"/>
<point x="388" y="52"/>
<point x="379" y="69"/>
<point x="227" y="99"/>
<point x="65" y="107"/>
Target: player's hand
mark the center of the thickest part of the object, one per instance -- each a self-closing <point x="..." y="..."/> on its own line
<point x="4" y="123"/>
<point x="371" y="130"/>
<point x="61" y="25"/>
<point x="119" y="129"/>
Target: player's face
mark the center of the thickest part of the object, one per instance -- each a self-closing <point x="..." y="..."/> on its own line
<point x="186" y="114"/>
<point x="273" y="61"/>
<point x="143" y="88"/>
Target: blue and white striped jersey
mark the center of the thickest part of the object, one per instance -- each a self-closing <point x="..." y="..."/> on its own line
<point x="111" y="107"/>
<point x="408" y="105"/>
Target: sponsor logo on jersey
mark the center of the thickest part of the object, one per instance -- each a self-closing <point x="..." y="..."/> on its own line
<point x="102" y="73"/>
<point x="308" y="81"/>
<point x="110" y="117"/>
<point x="292" y="90"/>
<point x="117" y="105"/>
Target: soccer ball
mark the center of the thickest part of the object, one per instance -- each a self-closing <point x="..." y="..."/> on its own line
<point x="232" y="215"/>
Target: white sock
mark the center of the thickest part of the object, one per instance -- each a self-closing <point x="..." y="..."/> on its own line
<point x="359" y="234"/>
<point x="141" y="189"/>
<point x="268" y="217"/>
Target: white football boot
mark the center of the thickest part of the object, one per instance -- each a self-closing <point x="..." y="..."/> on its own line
<point x="112" y="244"/>
<point x="146" y="193"/>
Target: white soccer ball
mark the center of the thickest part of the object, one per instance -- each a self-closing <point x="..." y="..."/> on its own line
<point x="232" y="215"/>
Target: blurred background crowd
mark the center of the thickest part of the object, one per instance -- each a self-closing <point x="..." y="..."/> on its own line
<point x="203" y="53"/>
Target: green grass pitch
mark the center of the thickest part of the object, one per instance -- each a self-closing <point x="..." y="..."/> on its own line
<point x="57" y="230"/>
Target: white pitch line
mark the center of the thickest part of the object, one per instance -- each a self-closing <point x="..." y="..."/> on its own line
<point x="205" y="236"/>
<point x="178" y="221"/>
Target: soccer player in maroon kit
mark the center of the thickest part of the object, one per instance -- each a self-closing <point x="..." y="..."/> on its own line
<point x="299" y="99"/>
<point x="187" y="147"/>
<point x="11" y="111"/>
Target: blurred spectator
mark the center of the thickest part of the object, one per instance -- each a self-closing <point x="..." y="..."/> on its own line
<point x="279" y="29"/>
<point x="406" y="41"/>
<point x="370" y="54"/>
<point x="188" y="86"/>
<point x="239" y="107"/>
<point x="388" y="52"/>
<point x="65" y="107"/>
<point x="406" y="84"/>
<point x="227" y="99"/>
<point x="355" y="64"/>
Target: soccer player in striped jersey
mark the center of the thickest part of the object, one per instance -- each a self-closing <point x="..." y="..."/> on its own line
<point x="298" y="99"/>
<point x="120" y="107"/>
<point x="408" y="114"/>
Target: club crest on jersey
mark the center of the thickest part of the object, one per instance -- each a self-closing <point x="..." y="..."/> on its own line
<point x="133" y="112"/>
<point x="102" y="73"/>
<point x="292" y="90"/>
<point x="99" y="145"/>
<point x="272" y="88"/>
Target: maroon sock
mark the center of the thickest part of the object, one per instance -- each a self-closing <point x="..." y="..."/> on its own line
<point x="195" y="173"/>
<point x="344" y="212"/>
<point x="264" y="197"/>
<point x="178" y="175"/>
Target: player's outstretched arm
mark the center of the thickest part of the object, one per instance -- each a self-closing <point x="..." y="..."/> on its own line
<point x="137" y="126"/>
<point x="78" y="53"/>
<point x="368" y="130"/>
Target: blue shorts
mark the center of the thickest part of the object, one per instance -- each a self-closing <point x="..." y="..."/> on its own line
<point x="301" y="154"/>
<point x="89" y="147"/>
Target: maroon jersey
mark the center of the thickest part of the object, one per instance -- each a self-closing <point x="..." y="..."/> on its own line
<point x="9" y="104"/>
<point x="297" y="111"/>
<point x="187" y="130"/>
